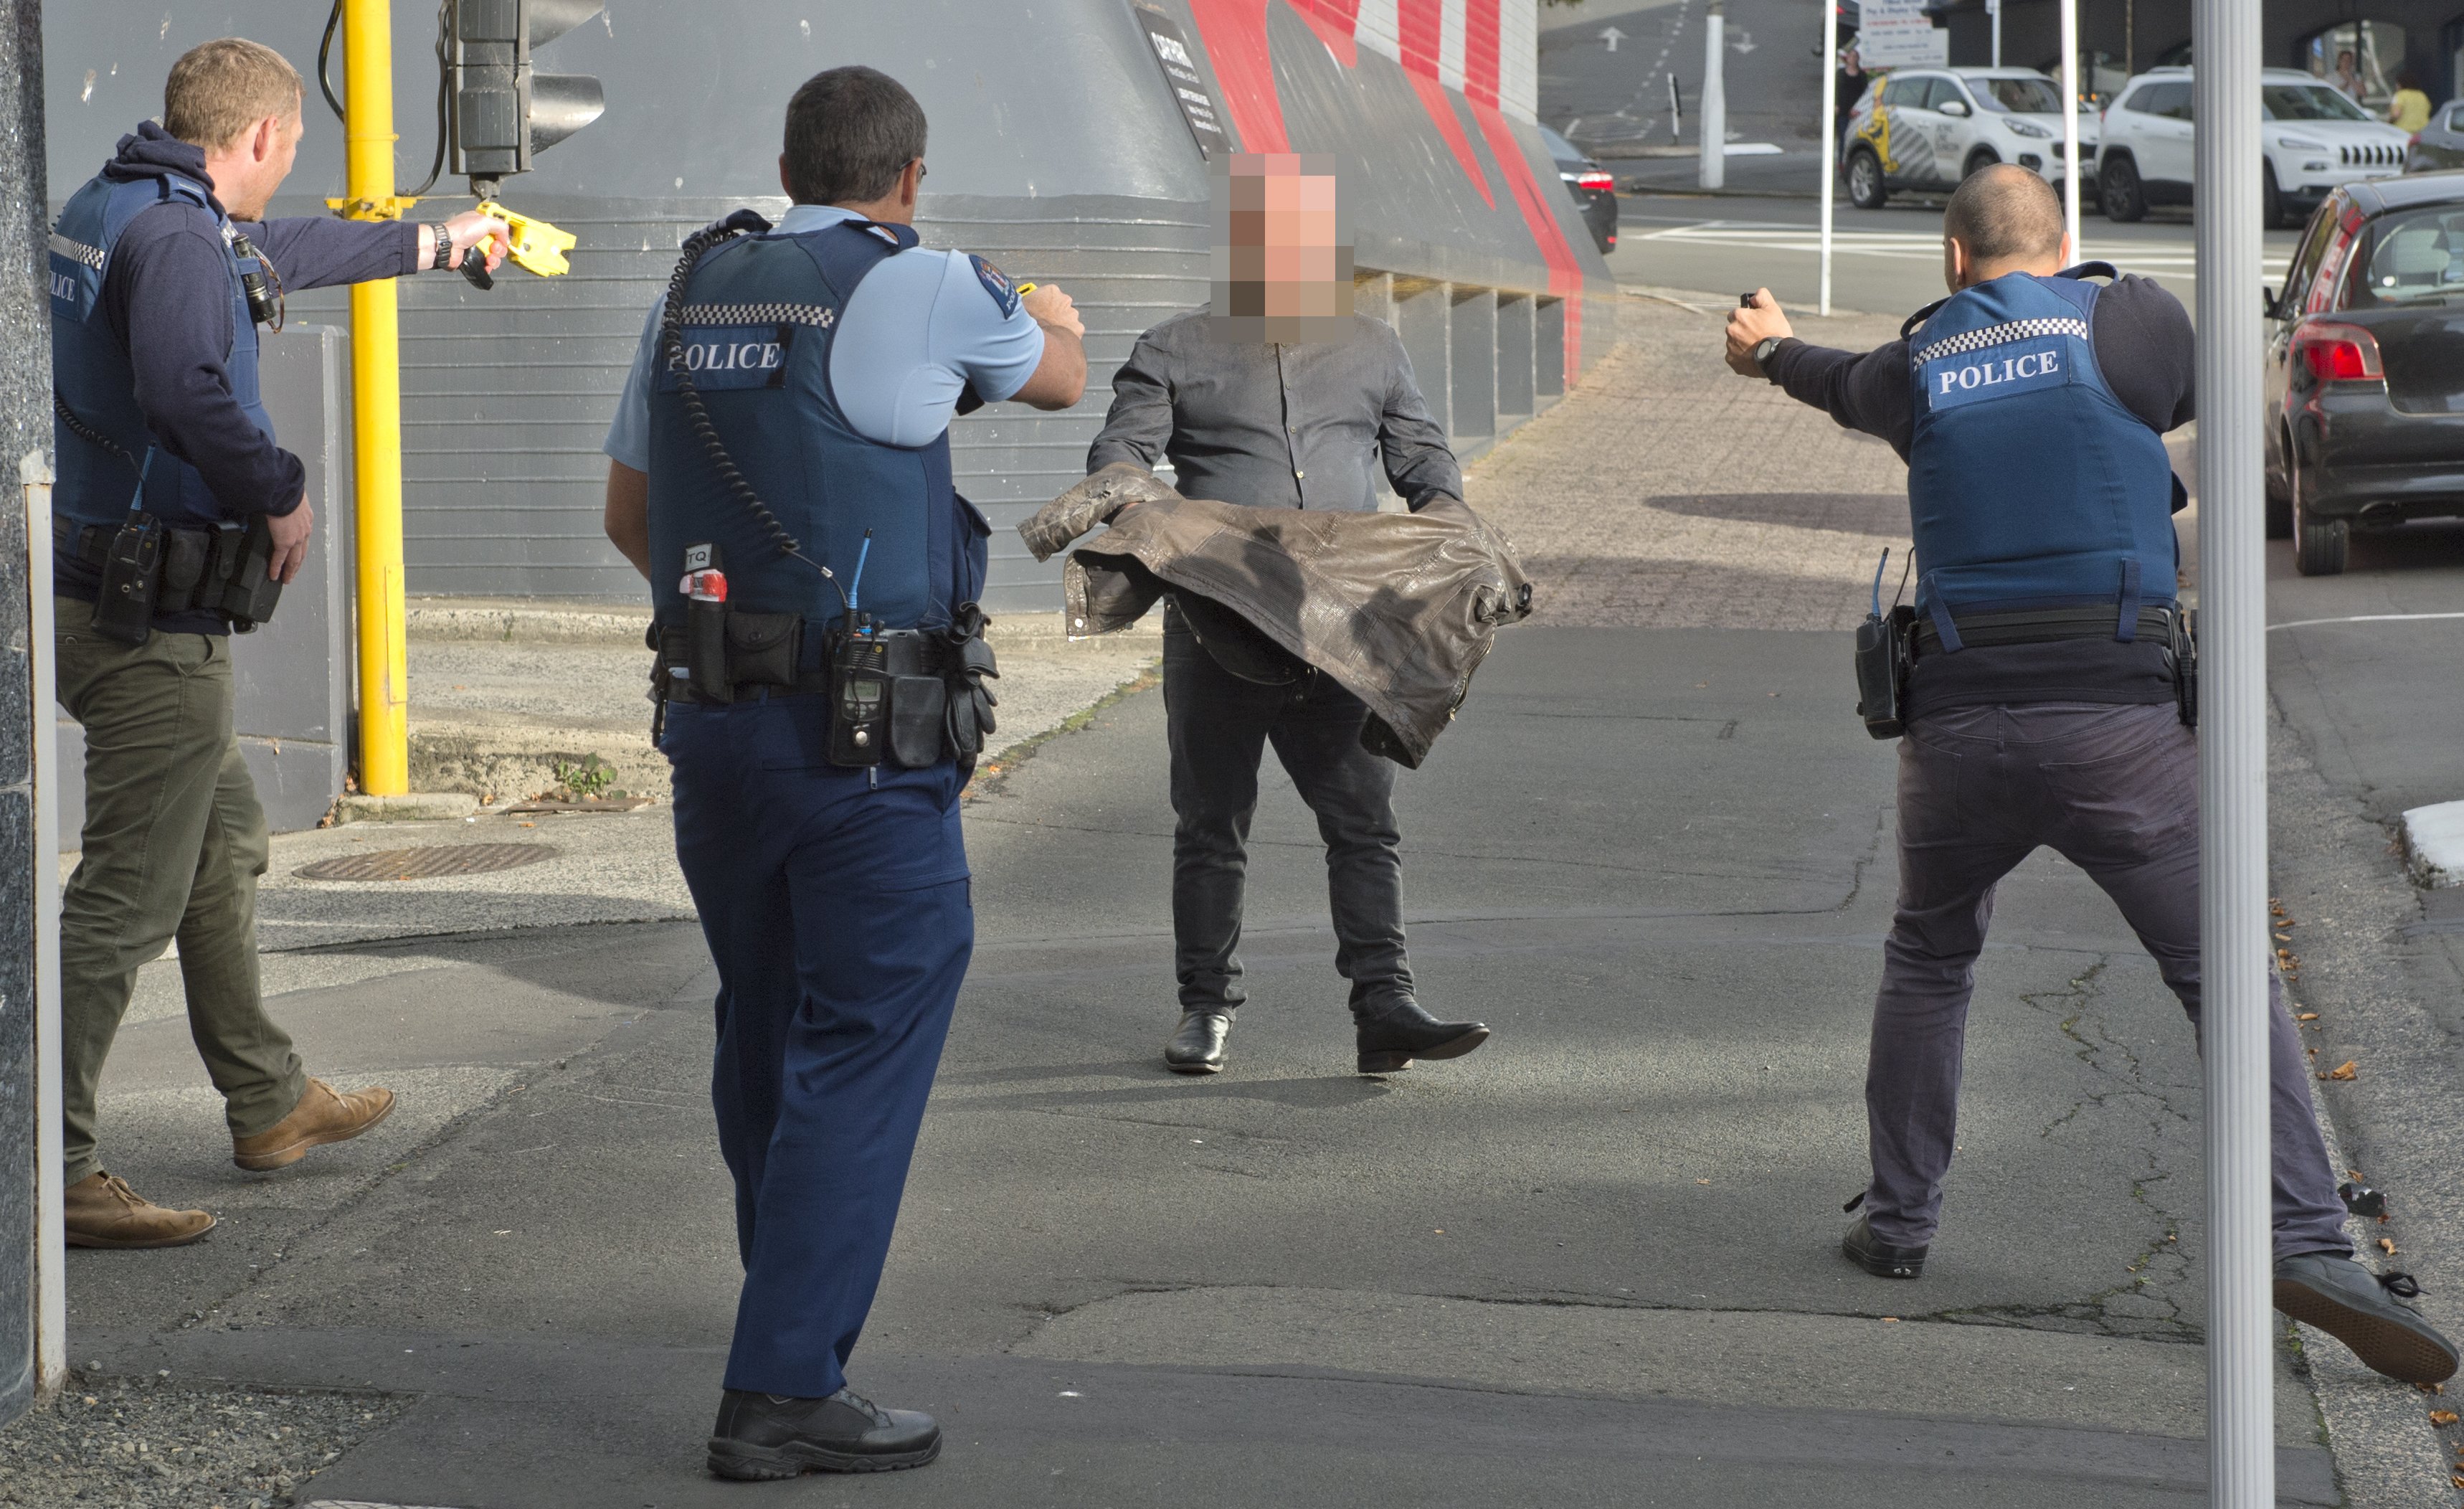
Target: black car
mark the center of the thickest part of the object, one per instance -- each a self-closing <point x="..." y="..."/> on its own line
<point x="2365" y="368"/>
<point x="1591" y="186"/>
<point x="2439" y="145"/>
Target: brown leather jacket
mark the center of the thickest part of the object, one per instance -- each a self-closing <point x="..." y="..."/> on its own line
<point x="1399" y="608"/>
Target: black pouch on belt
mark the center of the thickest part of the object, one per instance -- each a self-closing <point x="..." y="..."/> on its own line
<point x="2185" y="666"/>
<point x="761" y="648"/>
<point x="132" y="581"/>
<point x="1882" y="671"/>
<point x="184" y="559"/>
<point x="919" y="708"/>
<point x="705" y="649"/>
<point x="249" y="591"/>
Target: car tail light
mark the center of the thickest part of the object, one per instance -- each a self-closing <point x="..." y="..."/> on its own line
<point x="1595" y="182"/>
<point x="2339" y="353"/>
<point x="1611" y="240"/>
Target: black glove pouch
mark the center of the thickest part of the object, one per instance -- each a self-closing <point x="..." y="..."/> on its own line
<point x="185" y="553"/>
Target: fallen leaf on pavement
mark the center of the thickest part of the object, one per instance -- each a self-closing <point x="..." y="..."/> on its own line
<point x="1890" y="1319"/>
<point x="2347" y="1070"/>
<point x="1702" y="1181"/>
<point x="2305" y="1016"/>
<point x="2387" y="1247"/>
<point x="2443" y="1417"/>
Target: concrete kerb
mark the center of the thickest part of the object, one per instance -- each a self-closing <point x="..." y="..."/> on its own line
<point x="2433" y="844"/>
<point x="515" y="699"/>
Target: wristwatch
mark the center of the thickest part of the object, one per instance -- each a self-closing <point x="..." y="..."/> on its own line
<point x="443" y="255"/>
<point x="1763" y="351"/>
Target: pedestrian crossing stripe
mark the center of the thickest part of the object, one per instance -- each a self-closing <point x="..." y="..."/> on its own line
<point x="2151" y="261"/>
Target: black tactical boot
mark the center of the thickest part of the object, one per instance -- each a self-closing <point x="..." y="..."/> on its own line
<point x="1878" y="1257"/>
<point x="1389" y="1042"/>
<point x="2359" y="1308"/>
<point x="760" y="1437"/>
<point x="1196" y="1046"/>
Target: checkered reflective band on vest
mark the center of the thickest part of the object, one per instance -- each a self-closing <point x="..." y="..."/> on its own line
<point x="2030" y="484"/>
<point x="759" y="318"/>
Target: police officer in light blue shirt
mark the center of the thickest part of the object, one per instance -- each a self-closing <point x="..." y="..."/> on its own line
<point x="779" y="472"/>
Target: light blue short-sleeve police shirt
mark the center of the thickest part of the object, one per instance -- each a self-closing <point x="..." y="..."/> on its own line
<point x="921" y="326"/>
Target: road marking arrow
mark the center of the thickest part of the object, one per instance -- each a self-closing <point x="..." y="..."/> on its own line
<point x="1742" y="40"/>
<point x="1613" y="36"/>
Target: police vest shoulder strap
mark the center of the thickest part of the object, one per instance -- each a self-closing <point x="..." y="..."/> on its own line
<point x="2105" y="270"/>
<point x="1916" y="322"/>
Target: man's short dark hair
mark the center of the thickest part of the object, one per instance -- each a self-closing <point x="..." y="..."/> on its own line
<point x="850" y="132"/>
<point x="2005" y="213"/>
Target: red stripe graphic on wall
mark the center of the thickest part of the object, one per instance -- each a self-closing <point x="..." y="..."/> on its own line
<point x="1539" y="209"/>
<point x="1423" y="23"/>
<point x="1338" y="23"/>
<point x="1234" y="35"/>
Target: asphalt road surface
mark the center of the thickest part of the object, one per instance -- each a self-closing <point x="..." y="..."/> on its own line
<point x="1884" y="262"/>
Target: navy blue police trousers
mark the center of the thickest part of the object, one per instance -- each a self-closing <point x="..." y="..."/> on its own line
<point x="837" y="909"/>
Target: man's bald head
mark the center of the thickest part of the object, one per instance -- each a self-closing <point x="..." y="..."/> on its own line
<point x="2005" y="216"/>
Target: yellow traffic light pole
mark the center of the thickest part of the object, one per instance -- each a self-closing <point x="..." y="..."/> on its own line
<point x="376" y="407"/>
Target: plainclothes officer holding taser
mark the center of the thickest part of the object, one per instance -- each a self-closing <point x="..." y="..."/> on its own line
<point x="177" y="521"/>
<point x="2048" y="696"/>
<point x="782" y="475"/>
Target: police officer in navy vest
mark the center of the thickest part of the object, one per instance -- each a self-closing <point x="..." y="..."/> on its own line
<point x="781" y="473"/>
<point x="175" y="514"/>
<point x="2042" y="704"/>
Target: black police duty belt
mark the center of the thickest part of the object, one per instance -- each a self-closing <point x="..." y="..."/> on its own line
<point x="2041" y="626"/>
<point x="216" y="555"/>
<point x="906" y="652"/>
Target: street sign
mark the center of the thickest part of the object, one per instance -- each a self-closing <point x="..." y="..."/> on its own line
<point x="1898" y="33"/>
<point x="1181" y="77"/>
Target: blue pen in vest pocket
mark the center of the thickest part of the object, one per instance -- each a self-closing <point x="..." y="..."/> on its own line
<point x="2030" y="483"/>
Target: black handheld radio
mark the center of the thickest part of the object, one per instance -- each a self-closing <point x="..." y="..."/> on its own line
<point x="132" y="579"/>
<point x="859" y="679"/>
<point x="1882" y="661"/>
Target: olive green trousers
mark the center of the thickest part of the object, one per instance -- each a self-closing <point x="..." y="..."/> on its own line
<point x="174" y="841"/>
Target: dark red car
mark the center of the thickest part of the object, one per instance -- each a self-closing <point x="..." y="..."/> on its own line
<point x="2365" y="368"/>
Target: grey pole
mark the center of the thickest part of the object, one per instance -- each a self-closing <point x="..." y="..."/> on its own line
<point x="1829" y="137"/>
<point x="2232" y="759"/>
<point x="1714" y="106"/>
<point x="2070" y="127"/>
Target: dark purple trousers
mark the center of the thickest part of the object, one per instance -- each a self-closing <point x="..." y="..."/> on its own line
<point x="2115" y="790"/>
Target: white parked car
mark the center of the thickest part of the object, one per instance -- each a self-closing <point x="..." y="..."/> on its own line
<point x="2314" y="139"/>
<point x="1920" y="130"/>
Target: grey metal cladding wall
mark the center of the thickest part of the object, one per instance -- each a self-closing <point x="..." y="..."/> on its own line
<point x="1056" y="152"/>
<point x="507" y="394"/>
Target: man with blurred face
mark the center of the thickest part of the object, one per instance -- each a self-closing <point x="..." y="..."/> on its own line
<point x="1278" y="395"/>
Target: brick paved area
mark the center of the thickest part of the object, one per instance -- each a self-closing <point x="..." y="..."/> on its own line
<point x="1667" y="492"/>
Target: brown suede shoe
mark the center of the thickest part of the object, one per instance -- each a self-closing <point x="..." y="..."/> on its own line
<point x="103" y="1211"/>
<point x="320" y="1117"/>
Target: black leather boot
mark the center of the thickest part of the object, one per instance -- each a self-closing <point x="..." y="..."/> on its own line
<point x="1196" y="1046"/>
<point x="761" y="1437"/>
<point x="2359" y="1308"/>
<point x="1878" y="1257"/>
<point x="1390" y="1042"/>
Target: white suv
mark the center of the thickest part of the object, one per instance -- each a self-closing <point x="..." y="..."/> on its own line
<point x="1921" y="130"/>
<point x="2314" y="139"/>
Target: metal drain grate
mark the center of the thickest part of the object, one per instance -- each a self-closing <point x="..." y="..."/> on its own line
<point x="428" y="862"/>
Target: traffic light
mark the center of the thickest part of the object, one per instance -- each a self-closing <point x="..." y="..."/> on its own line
<point x="503" y="111"/>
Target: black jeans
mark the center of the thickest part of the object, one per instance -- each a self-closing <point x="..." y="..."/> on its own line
<point x="1218" y="728"/>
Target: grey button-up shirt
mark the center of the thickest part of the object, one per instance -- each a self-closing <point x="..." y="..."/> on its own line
<point x="1277" y="426"/>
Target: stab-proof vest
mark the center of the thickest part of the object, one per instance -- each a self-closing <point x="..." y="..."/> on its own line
<point x="759" y="315"/>
<point x="91" y="373"/>
<point x="2030" y="484"/>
